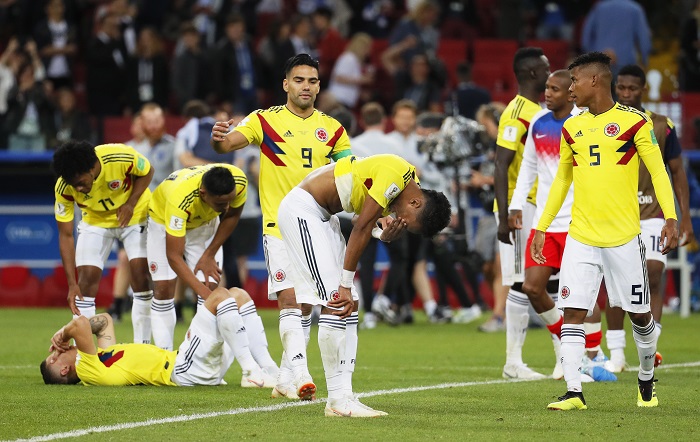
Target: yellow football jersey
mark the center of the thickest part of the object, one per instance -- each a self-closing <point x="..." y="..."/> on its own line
<point x="291" y="147"/>
<point x="600" y="154"/>
<point x="382" y="177"/>
<point x="512" y="133"/>
<point x="176" y="203"/>
<point x="111" y="189"/>
<point x="127" y="364"/>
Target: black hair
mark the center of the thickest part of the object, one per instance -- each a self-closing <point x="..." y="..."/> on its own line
<point x="634" y="70"/>
<point x="591" y="58"/>
<point x="436" y="213"/>
<point x="218" y="181"/>
<point x="324" y="11"/>
<point x="50" y="377"/>
<point x="299" y="60"/>
<point x="73" y="158"/>
<point x="524" y="54"/>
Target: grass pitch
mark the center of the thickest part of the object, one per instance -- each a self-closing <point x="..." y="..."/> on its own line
<point x="435" y="381"/>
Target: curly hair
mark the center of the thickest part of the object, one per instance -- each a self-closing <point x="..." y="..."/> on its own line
<point x="633" y="70"/>
<point x="218" y="181"/>
<point x="74" y="158"/>
<point x="436" y="213"/>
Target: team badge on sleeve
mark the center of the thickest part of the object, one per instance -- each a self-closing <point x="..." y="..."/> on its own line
<point x="510" y="133"/>
<point x="392" y="191"/>
<point x="60" y="209"/>
<point x="612" y="129"/>
<point x="114" y="185"/>
<point x="141" y="163"/>
<point x="176" y="223"/>
<point x="321" y="135"/>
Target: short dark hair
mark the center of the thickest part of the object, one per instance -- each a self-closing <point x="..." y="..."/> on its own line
<point x="430" y="120"/>
<point x="218" y="181"/>
<point x="590" y="58"/>
<point x="73" y="158"/>
<point x="196" y="109"/>
<point x="523" y="54"/>
<point x="50" y="377"/>
<point x="634" y="70"/>
<point x="299" y="60"/>
<point x="324" y="11"/>
<point x="372" y="113"/>
<point x="436" y="213"/>
<point x="464" y="70"/>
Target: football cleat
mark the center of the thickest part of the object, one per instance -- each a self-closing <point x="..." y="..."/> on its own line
<point x="348" y="406"/>
<point x="572" y="400"/>
<point x="558" y="372"/>
<point x="646" y="394"/>
<point x="658" y="359"/>
<point x="284" y="390"/>
<point x="306" y="389"/>
<point x="513" y="371"/>
<point x="256" y="378"/>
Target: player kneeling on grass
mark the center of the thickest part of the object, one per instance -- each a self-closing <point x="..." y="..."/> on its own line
<point x="324" y="268"/>
<point x="201" y="359"/>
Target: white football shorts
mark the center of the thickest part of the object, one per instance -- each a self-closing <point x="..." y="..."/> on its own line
<point x="315" y="245"/>
<point x="513" y="255"/>
<point x="95" y="243"/>
<point x="624" y="268"/>
<point x="200" y="358"/>
<point x="651" y="236"/>
<point x="278" y="268"/>
<point x="196" y="241"/>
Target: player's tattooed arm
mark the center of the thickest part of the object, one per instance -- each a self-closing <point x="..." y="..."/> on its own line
<point x="103" y="328"/>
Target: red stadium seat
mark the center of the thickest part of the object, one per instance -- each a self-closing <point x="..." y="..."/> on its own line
<point x="494" y="51"/>
<point x="105" y="292"/>
<point x="18" y="287"/>
<point x="557" y="51"/>
<point x="116" y="129"/>
<point x="452" y="52"/>
<point x="497" y="78"/>
<point x="54" y="289"/>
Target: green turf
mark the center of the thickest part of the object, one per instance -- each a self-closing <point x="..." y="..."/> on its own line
<point x="422" y="354"/>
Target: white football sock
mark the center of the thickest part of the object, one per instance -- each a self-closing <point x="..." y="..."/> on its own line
<point x="348" y="363"/>
<point x="331" y="342"/>
<point x="573" y="343"/>
<point x="86" y="306"/>
<point x="430" y="306"/>
<point x="616" y="344"/>
<point x="517" y="318"/>
<point x="163" y="322"/>
<point x="257" y="338"/>
<point x="293" y="342"/>
<point x="306" y="326"/>
<point x="646" y="338"/>
<point x="141" y="317"/>
<point x="232" y="329"/>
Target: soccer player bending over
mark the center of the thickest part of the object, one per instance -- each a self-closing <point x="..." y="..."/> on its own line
<point x="372" y="188"/>
<point x="199" y="361"/>
<point x="109" y="183"/>
<point x="600" y="152"/>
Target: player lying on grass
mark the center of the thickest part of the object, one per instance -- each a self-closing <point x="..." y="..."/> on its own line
<point x="324" y="268"/>
<point x="201" y="359"/>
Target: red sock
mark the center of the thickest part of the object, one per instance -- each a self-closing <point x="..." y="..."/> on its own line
<point x="593" y="339"/>
<point x="555" y="329"/>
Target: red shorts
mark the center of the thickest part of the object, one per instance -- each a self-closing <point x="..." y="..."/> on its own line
<point x="553" y="249"/>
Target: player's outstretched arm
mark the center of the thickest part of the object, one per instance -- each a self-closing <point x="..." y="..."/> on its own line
<point x="126" y="210"/>
<point x="102" y="327"/>
<point x="537" y="246"/>
<point x="175" y="250"/>
<point x="207" y="263"/>
<point x="78" y="329"/>
<point x="222" y="141"/>
<point x="680" y="188"/>
<point x="669" y="235"/>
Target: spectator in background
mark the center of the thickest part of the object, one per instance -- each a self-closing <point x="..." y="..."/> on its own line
<point x="245" y="240"/>
<point x="203" y="15"/>
<point x="270" y="50"/>
<point x="467" y="97"/>
<point x="482" y="182"/>
<point x="373" y="141"/>
<point x="192" y="140"/>
<point x="350" y="72"/>
<point x="420" y="85"/>
<point x="376" y="17"/>
<point x="329" y="42"/>
<point x="191" y="68"/>
<point x="105" y="59"/>
<point x="235" y="67"/>
<point x="418" y="33"/>
<point x="403" y="118"/>
<point x="690" y="52"/>
<point x="69" y="122"/>
<point x="56" y="41"/>
<point x="28" y="119"/>
<point x="158" y="147"/>
<point x="618" y="28"/>
<point x="126" y="10"/>
<point x="147" y="72"/>
<point x="14" y="57"/>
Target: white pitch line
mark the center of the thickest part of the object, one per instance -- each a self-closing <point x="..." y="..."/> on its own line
<point x="236" y="411"/>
